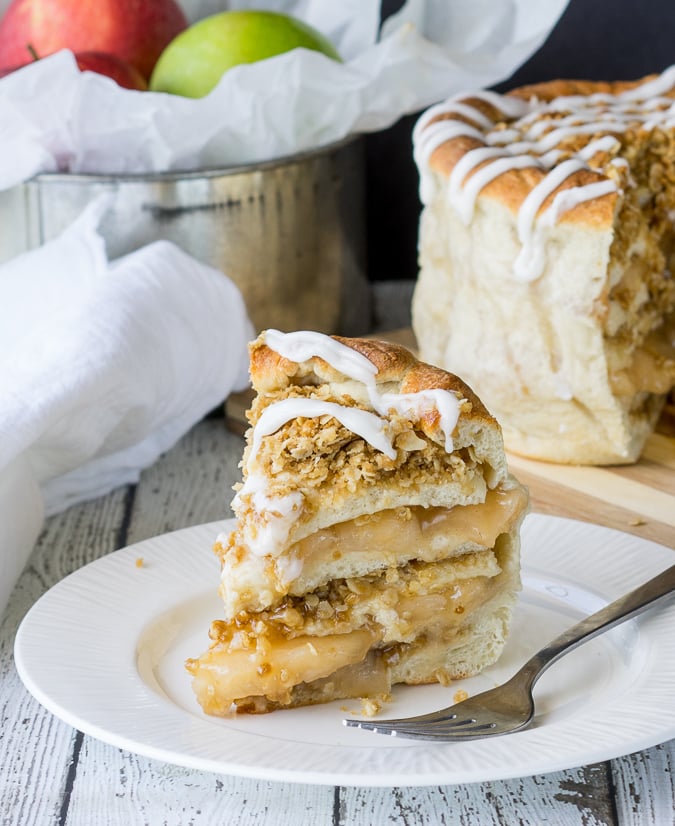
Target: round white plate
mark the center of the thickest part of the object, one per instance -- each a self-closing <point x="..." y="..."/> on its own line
<point x="103" y="650"/>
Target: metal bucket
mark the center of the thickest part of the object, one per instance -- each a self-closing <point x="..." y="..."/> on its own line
<point x="290" y="232"/>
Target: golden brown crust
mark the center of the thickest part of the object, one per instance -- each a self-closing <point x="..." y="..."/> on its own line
<point x="512" y="187"/>
<point x="566" y="87"/>
<point x="390" y="359"/>
<point x="271" y="372"/>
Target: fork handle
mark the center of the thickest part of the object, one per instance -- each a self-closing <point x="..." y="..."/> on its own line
<point x="626" y="607"/>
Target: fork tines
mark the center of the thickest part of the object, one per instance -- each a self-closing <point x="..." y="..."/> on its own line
<point x="447" y="729"/>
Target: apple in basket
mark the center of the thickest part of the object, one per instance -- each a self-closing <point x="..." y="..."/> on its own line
<point x="124" y="74"/>
<point x="193" y="63"/>
<point x="119" y="70"/>
<point x="135" y="31"/>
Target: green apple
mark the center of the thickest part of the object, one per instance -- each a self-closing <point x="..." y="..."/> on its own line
<point x="193" y="63"/>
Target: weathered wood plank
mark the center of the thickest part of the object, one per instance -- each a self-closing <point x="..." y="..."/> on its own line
<point x="117" y="788"/>
<point x="580" y="797"/>
<point x="191" y="484"/>
<point x="645" y="787"/>
<point x="37" y="749"/>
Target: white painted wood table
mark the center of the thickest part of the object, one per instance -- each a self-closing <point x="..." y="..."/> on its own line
<point x="52" y="774"/>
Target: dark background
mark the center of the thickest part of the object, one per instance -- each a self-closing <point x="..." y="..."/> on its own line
<point x="594" y="39"/>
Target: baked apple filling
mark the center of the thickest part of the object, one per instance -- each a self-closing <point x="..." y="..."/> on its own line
<point x="349" y="628"/>
<point x="312" y="637"/>
<point x="652" y="368"/>
<point x="390" y="537"/>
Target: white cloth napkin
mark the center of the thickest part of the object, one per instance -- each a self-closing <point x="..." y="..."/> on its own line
<point x="103" y="366"/>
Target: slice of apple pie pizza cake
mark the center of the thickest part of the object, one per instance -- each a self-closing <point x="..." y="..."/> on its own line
<point x="376" y="538"/>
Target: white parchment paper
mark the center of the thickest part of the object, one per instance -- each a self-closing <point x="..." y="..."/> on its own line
<point x="55" y="118"/>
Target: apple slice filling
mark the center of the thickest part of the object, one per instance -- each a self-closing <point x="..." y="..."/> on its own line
<point x="341" y="634"/>
<point x="345" y="630"/>
<point x="395" y="536"/>
<point x="261" y="655"/>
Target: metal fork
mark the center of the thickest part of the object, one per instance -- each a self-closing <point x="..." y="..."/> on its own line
<point x="510" y="706"/>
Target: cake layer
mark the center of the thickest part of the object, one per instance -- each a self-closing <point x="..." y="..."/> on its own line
<point x="546" y="252"/>
<point x="367" y="544"/>
<point x="372" y="628"/>
<point x="376" y="535"/>
<point x="348" y="432"/>
<point x="326" y="446"/>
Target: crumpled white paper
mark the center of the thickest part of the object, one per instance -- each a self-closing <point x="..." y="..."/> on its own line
<point x="52" y="117"/>
<point x="103" y="366"/>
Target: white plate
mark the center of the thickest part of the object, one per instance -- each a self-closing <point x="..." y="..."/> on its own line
<point x="103" y="650"/>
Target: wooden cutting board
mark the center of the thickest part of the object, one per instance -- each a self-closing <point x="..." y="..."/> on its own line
<point x="637" y="499"/>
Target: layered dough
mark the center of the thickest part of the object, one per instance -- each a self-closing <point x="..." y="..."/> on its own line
<point x="369" y="627"/>
<point x="360" y="558"/>
<point x="546" y="257"/>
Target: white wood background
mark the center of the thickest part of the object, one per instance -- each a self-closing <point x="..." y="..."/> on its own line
<point x="51" y="774"/>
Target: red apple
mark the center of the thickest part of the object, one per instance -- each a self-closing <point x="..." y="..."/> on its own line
<point x="8" y="70"/>
<point x="136" y="31"/>
<point x="122" y="73"/>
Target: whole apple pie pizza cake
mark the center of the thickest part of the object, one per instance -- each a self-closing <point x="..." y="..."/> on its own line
<point x="547" y="243"/>
<point x="376" y="538"/>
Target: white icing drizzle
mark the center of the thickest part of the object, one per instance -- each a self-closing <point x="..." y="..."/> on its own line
<point x="438" y="133"/>
<point x="424" y="119"/>
<point x="456" y="107"/>
<point x="289" y="568"/>
<point x="463" y="197"/>
<point x="652" y="88"/>
<point x="512" y="107"/>
<point x="466" y="164"/>
<point x="528" y="263"/>
<point x="276" y="514"/>
<point x="532" y="139"/>
<point x="551" y="139"/>
<point x="304" y="345"/>
<point x="366" y="425"/>
<point x="576" y="125"/>
<point x="415" y="404"/>
<point x="541" y="191"/>
<point x="605" y="144"/>
<point x="569" y="198"/>
<point x="550" y="158"/>
<point x="532" y="258"/>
